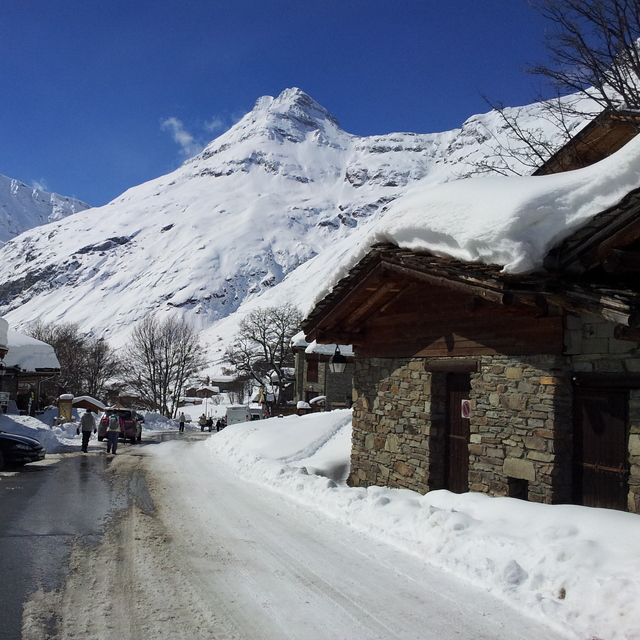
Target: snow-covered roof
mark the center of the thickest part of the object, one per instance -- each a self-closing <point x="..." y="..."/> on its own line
<point x="510" y="221"/>
<point x="209" y="388"/>
<point x="28" y="353"/>
<point x="88" y="400"/>
<point x="299" y="342"/>
<point x="329" y="349"/>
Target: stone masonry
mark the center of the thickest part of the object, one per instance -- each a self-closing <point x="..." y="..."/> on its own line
<point x="520" y="425"/>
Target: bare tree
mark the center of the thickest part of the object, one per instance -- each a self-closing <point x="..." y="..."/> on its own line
<point x="594" y="64"/>
<point x="69" y="343"/>
<point x="161" y="358"/>
<point x="87" y="364"/>
<point x="525" y="144"/>
<point x="101" y="366"/>
<point x="594" y="49"/>
<point x="261" y="349"/>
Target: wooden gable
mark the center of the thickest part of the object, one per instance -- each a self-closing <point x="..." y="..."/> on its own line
<point x="396" y="303"/>
<point x="399" y="303"/>
<point x="608" y="132"/>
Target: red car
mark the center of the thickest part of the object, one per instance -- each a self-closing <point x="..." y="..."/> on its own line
<point x="130" y="424"/>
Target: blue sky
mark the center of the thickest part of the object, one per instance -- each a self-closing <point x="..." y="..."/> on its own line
<point x="88" y="84"/>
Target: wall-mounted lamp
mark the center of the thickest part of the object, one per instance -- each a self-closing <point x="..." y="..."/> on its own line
<point x="337" y="362"/>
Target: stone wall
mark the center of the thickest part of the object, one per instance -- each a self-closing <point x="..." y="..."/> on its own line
<point x="591" y="347"/>
<point x="398" y="425"/>
<point x="520" y="425"/>
<point x="521" y="428"/>
<point x="393" y="424"/>
<point x="335" y="386"/>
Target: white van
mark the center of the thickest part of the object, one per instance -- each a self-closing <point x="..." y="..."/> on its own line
<point x="237" y="413"/>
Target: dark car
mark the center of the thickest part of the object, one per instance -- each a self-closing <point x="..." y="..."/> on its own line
<point x="130" y="424"/>
<point x="17" y="449"/>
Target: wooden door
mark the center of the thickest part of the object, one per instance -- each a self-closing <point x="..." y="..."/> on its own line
<point x="457" y="434"/>
<point x="600" y="455"/>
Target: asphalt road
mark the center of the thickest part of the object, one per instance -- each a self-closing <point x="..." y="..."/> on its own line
<point x="48" y="507"/>
<point x="172" y="545"/>
<point x="45" y="508"/>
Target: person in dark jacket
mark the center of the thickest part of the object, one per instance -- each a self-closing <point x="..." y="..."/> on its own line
<point x="210" y="423"/>
<point x="87" y="425"/>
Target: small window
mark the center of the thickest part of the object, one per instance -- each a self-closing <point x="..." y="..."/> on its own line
<point x="518" y="488"/>
<point x="312" y="370"/>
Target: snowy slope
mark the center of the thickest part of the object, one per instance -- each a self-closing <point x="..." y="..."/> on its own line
<point x="218" y="234"/>
<point x="23" y="207"/>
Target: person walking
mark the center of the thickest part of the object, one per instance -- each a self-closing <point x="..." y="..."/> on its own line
<point x="87" y="425"/>
<point x="202" y="421"/>
<point x="182" y="421"/>
<point x="113" y="433"/>
<point x="210" y="423"/>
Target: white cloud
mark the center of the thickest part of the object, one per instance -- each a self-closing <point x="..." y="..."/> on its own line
<point x="215" y="124"/>
<point x="40" y="184"/>
<point x="188" y="144"/>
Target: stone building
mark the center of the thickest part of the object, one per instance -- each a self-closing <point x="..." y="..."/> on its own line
<point x="467" y="378"/>
<point x="313" y="378"/>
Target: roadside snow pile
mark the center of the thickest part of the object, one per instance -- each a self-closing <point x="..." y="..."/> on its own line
<point x="27" y="426"/>
<point x="55" y="438"/>
<point x="573" y="566"/>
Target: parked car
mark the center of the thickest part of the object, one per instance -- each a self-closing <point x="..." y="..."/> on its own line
<point x="17" y="449"/>
<point x="130" y="424"/>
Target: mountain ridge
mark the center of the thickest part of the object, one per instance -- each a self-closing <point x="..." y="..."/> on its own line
<point x="220" y="233"/>
<point x="23" y="207"/>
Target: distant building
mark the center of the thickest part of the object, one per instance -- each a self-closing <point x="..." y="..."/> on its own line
<point x="24" y="364"/>
<point x="313" y="378"/>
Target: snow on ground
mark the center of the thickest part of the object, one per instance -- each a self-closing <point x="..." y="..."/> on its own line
<point x="571" y="566"/>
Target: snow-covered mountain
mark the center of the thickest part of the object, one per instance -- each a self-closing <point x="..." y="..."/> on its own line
<point x="220" y="233"/>
<point x="23" y="207"/>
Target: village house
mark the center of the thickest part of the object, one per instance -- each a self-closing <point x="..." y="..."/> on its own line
<point x="314" y="378"/>
<point x="511" y="382"/>
<point x="25" y="364"/>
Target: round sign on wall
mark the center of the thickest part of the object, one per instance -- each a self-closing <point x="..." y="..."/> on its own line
<point x="465" y="408"/>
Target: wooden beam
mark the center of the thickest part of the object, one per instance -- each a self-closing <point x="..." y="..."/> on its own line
<point x="626" y="333"/>
<point x="499" y="297"/>
<point x="607" y="380"/>
<point x="377" y="298"/>
<point x="617" y="261"/>
<point x="339" y="337"/>
<point x="351" y="296"/>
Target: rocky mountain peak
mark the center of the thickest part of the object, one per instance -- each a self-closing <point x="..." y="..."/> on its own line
<point x="293" y="116"/>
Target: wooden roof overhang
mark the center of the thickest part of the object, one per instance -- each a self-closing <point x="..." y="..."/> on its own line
<point x="421" y="289"/>
<point x="610" y="242"/>
<point x="608" y="132"/>
<point x="360" y="303"/>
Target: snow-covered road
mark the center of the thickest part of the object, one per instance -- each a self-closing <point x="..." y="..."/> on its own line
<point x="252" y="565"/>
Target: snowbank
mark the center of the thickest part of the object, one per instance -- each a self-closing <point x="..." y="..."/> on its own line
<point x="573" y="566"/>
<point x="51" y="439"/>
